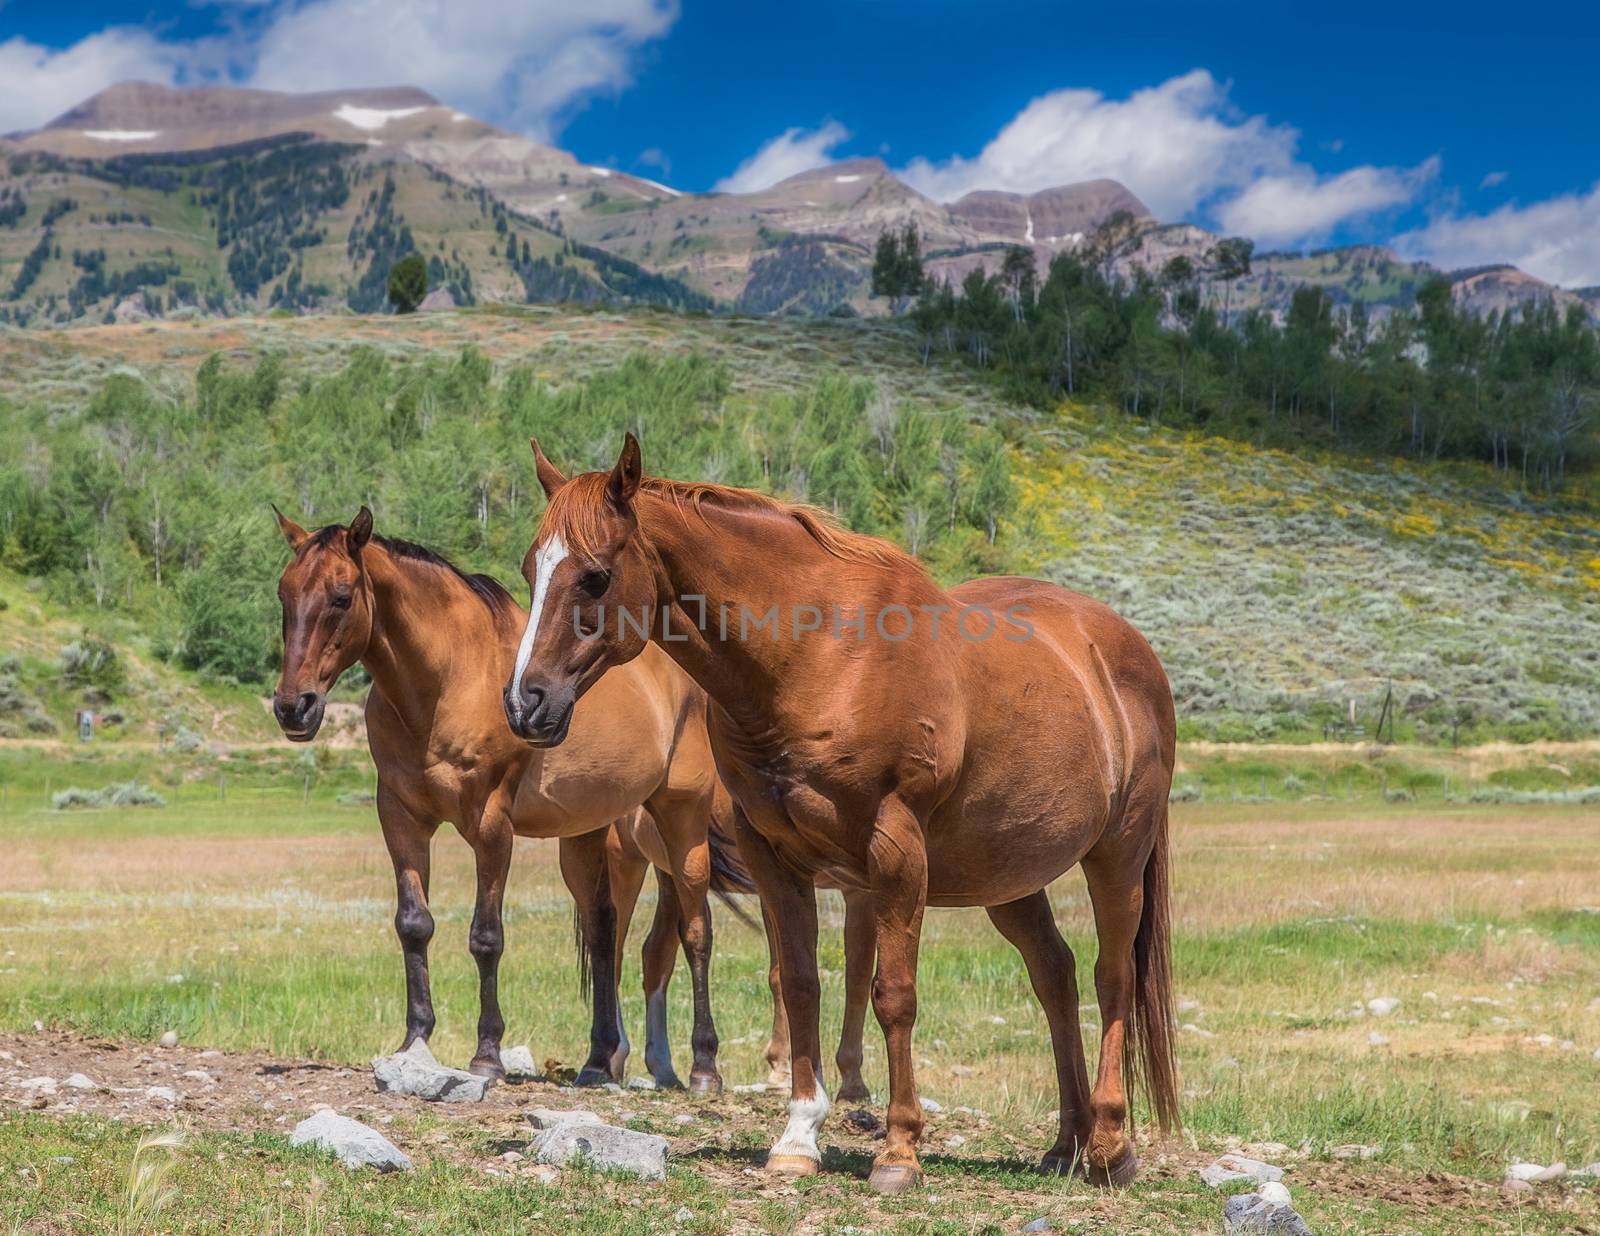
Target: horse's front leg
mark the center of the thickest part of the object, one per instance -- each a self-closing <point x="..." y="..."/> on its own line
<point x="778" y="1074"/>
<point x="408" y="838"/>
<point x="897" y="867"/>
<point x="583" y="867"/>
<point x="791" y="904"/>
<point x="492" y="846"/>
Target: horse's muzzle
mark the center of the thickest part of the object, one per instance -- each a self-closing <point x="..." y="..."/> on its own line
<point x="536" y="717"/>
<point x="299" y="716"/>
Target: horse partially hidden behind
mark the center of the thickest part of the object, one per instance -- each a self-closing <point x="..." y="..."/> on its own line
<point x="636" y="779"/>
<point x="872" y="739"/>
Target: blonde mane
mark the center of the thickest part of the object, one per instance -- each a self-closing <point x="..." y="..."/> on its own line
<point x="576" y="513"/>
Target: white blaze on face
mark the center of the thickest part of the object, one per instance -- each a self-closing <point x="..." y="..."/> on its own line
<point x="805" y="1121"/>
<point x="551" y="555"/>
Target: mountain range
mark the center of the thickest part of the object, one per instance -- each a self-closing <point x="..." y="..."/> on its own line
<point x="149" y="198"/>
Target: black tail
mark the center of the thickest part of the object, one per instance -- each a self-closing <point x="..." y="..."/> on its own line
<point x="585" y="959"/>
<point x="728" y="872"/>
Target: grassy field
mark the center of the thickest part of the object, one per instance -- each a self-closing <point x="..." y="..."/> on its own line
<point x="258" y="924"/>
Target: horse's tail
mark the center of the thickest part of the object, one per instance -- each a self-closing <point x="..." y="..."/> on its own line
<point x="728" y="873"/>
<point x="580" y="941"/>
<point x="1149" y="1053"/>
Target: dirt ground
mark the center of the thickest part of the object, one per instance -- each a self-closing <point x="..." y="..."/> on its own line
<point x="252" y="1092"/>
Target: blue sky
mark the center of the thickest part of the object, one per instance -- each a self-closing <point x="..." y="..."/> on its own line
<point x="1450" y="130"/>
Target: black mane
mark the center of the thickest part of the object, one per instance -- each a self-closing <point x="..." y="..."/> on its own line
<point x="485" y="587"/>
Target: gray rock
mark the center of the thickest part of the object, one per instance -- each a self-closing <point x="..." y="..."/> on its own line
<point x="168" y="1040"/>
<point x="354" y="1143"/>
<point x="518" y="1062"/>
<point x="77" y="1081"/>
<point x="1040" y="1224"/>
<point x="684" y="1215"/>
<point x="604" y="1146"/>
<point x="549" y="1117"/>
<point x="931" y="1105"/>
<point x="1235" y="1168"/>
<point x="415" y="1072"/>
<point x="1250" y="1213"/>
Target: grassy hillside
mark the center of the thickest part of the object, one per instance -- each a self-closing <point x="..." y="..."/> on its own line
<point x="276" y="223"/>
<point x="1277" y="589"/>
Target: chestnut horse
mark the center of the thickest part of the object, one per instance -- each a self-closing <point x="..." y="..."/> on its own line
<point x="881" y="734"/>
<point x="439" y="645"/>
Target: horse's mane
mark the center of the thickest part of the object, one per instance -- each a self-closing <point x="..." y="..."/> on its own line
<point x="485" y="587"/>
<point x="576" y="509"/>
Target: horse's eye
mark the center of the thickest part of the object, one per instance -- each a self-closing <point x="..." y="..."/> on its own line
<point x="340" y="600"/>
<point x="595" y="582"/>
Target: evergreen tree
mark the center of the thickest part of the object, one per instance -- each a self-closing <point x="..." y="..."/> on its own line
<point x="408" y="283"/>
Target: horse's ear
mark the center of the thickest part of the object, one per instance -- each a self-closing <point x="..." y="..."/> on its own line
<point x="550" y="476"/>
<point x="360" y="529"/>
<point x="292" y="532"/>
<point x="624" y="481"/>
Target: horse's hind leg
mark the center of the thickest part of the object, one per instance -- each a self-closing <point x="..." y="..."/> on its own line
<point x="694" y="930"/>
<point x="583" y="867"/>
<point x="625" y="870"/>
<point x="860" y="947"/>
<point x="659" y="957"/>
<point x="778" y="1075"/>
<point x="1031" y="927"/>
<point x="1116" y="890"/>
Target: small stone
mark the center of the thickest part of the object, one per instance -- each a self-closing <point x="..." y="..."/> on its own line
<point x="1233" y="1168"/>
<point x="1356" y="1152"/>
<point x="1040" y="1224"/>
<point x="1253" y="1214"/>
<point x="1276" y="1194"/>
<point x="77" y="1081"/>
<point x="683" y="1215"/>
<point x="199" y="1075"/>
<point x="1535" y="1173"/>
<point x="605" y="1146"/>
<point x="641" y="1083"/>
<point x="931" y="1105"/>
<point x="1377" y="1040"/>
<point x="1512" y="1185"/>
<point x="354" y="1143"/>
<point x="751" y="1088"/>
<point x="961" y="1070"/>
<point x="549" y="1118"/>
<point x="513" y="1156"/>
<point x="415" y="1072"/>
<point x="168" y="1040"/>
<point x="518" y="1062"/>
<point x="682" y="1119"/>
<point x="1189" y="1027"/>
<point x="43" y="1085"/>
<point x="163" y="1094"/>
<point x="955" y="1141"/>
<point x="997" y="1020"/>
<point x="1382" y="1006"/>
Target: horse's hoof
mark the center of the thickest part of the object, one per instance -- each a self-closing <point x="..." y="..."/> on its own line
<point x="487" y="1066"/>
<point x="780" y="1080"/>
<point x="854" y="1092"/>
<point x="705" y="1083"/>
<point x="1060" y="1165"/>
<point x="1118" y="1174"/>
<point x="591" y="1076"/>
<point x="792" y="1165"/>
<point x="892" y="1179"/>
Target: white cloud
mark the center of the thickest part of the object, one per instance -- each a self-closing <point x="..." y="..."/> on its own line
<point x="1300" y="204"/>
<point x="1493" y="179"/>
<point x="42" y="82"/>
<point x="522" y="65"/>
<point x="1176" y="145"/>
<point x="793" y="151"/>
<point x="1557" y="240"/>
<point x="1184" y="150"/>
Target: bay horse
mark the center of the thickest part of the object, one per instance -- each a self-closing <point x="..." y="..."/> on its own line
<point x="873" y="740"/>
<point x="635" y="784"/>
